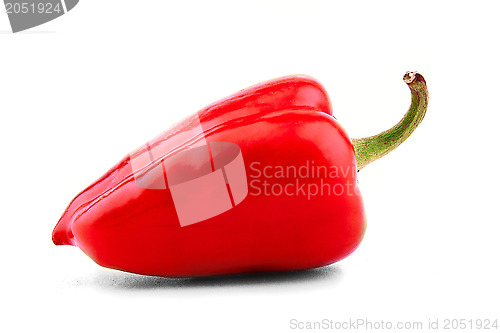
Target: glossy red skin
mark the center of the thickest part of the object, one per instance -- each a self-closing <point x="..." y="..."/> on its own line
<point x="284" y="122"/>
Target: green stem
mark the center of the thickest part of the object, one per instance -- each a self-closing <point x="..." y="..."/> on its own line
<point x="374" y="147"/>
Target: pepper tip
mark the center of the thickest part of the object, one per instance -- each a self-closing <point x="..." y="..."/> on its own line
<point x="62" y="236"/>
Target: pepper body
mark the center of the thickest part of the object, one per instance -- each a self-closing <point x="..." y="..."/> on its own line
<point x="279" y="125"/>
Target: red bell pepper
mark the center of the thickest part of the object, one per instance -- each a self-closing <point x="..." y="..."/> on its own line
<point x="264" y="180"/>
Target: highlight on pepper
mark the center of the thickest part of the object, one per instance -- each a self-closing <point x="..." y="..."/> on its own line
<point x="263" y="180"/>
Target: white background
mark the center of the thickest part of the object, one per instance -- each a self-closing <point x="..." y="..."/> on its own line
<point x="80" y="92"/>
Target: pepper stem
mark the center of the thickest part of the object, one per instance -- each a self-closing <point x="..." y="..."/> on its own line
<point x="374" y="147"/>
